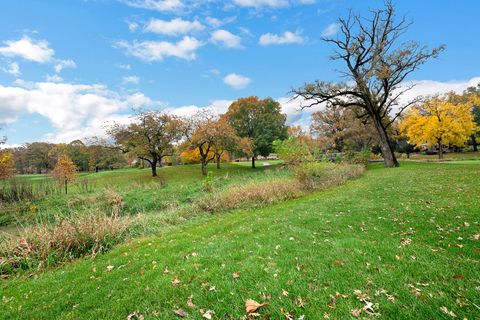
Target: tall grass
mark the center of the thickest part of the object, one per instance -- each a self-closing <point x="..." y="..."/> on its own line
<point x="49" y="244"/>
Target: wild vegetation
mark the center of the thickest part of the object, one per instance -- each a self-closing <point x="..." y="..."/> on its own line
<point x="288" y="223"/>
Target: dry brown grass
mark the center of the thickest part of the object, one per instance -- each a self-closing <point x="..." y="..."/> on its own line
<point x="45" y="245"/>
<point x="278" y="189"/>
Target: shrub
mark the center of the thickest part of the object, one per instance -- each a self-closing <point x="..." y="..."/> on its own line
<point x="307" y="173"/>
<point x="251" y="193"/>
<point x="47" y="245"/>
<point x="320" y="175"/>
<point x="362" y="157"/>
<point x="292" y="151"/>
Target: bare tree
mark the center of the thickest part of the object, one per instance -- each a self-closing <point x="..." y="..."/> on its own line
<point x="376" y="68"/>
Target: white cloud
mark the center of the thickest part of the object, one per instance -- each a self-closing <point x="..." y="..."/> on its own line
<point x="28" y="49"/>
<point x="285" y="38"/>
<point x="237" y="81"/>
<point x="173" y="27"/>
<point x="159" y="50"/>
<point x="131" y="79"/>
<point x="64" y="64"/>
<point x="157" y="5"/>
<point x="422" y="88"/>
<point x="331" y="30"/>
<point x="53" y="78"/>
<point x="74" y="110"/>
<point x="430" y="87"/>
<point x="132" y="26"/>
<point x="217" y="107"/>
<point x="262" y="3"/>
<point x="124" y="66"/>
<point x="226" y="39"/>
<point x="216" y="23"/>
<point x="13" y="69"/>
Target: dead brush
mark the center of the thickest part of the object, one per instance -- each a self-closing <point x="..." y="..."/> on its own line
<point x="250" y="194"/>
<point x="113" y="199"/>
<point x="74" y="237"/>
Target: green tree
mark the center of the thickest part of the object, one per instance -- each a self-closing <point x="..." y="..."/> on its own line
<point x="150" y="137"/>
<point x="259" y="120"/>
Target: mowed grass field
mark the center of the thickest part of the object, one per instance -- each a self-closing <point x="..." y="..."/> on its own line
<point x="397" y="243"/>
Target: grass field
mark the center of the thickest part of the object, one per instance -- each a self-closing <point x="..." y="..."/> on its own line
<point x="139" y="191"/>
<point x="399" y="243"/>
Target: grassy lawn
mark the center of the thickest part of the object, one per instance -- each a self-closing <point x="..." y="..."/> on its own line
<point x="451" y="156"/>
<point x="400" y="238"/>
<point x="140" y="192"/>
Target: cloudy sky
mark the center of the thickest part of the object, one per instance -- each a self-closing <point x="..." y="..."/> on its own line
<point x="68" y="68"/>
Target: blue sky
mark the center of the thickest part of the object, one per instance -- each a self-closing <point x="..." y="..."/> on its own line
<point x="68" y="67"/>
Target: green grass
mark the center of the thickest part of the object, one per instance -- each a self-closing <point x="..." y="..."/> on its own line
<point x="141" y="193"/>
<point x="451" y="156"/>
<point x="341" y="240"/>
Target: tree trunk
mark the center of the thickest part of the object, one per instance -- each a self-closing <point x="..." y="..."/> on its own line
<point x="66" y="186"/>
<point x="204" y="166"/>
<point x="253" y="162"/>
<point x="154" y="167"/>
<point x="440" y="150"/>
<point x="387" y="151"/>
<point x="218" y="161"/>
<point x="474" y="142"/>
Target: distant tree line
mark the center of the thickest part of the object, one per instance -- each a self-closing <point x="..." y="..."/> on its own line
<point x="41" y="157"/>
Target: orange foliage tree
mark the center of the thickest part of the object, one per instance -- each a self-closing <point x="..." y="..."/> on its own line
<point x="64" y="171"/>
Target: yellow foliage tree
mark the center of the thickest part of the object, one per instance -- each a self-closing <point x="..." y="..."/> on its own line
<point x="441" y="120"/>
<point x="7" y="169"/>
<point x="64" y="171"/>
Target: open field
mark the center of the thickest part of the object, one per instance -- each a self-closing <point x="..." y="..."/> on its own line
<point x="404" y="239"/>
<point x="139" y="192"/>
<point x="452" y="156"/>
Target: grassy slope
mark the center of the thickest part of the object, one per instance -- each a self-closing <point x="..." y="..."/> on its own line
<point x="140" y="191"/>
<point x="335" y="241"/>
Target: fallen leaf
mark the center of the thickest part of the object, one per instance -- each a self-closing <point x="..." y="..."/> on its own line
<point x="135" y="316"/>
<point x="181" y="313"/>
<point x="332" y="302"/>
<point x="449" y="312"/>
<point x="251" y="306"/>
<point x="458" y="276"/>
<point x="356" y="312"/>
<point x="405" y="241"/>
<point x="190" y="303"/>
<point x="208" y="314"/>
<point x="236" y="275"/>
<point x="175" y="281"/>
<point x="284" y="293"/>
<point x="110" y="268"/>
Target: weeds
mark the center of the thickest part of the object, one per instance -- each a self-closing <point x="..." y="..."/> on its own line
<point x="46" y="245"/>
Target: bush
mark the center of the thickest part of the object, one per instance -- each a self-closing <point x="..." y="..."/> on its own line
<point x="292" y="151"/>
<point x="251" y="193"/>
<point x="321" y="175"/>
<point x="47" y="245"/>
<point x="362" y="157"/>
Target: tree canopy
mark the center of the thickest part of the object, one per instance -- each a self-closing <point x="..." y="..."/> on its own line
<point x="150" y="137"/>
<point x="440" y="121"/>
<point x="261" y="120"/>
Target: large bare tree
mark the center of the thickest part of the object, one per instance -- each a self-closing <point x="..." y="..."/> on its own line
<point x="377" y="66"/>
